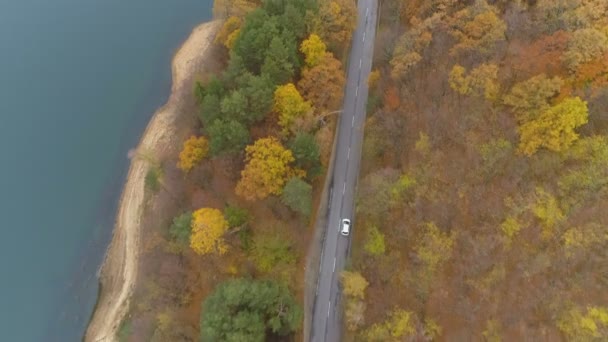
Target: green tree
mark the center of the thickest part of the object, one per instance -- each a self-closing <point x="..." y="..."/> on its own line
<point x="306" y="151"/>
<point x="259" y="91"/>
<point x="227" y="136"/>
<point x="554" y="128"/>
<point x="297" y="195"/>
<point x="249" y="310"/>
<point x="210" y="110"/>
<point x="374" y="244"/>
<point x="272" y="249"/>
<point x="234" y="106"/>
<point x="254" y="39"/>
<point x="181" y="228"/>
<point x="236" y="216"/>
<point x="277" y="65"/>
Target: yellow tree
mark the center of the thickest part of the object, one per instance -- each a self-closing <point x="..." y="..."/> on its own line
<point x="337" y="21"/>
<point x="290" y="105"/>
<point x="354" y="284"/>
<point x="592" y="326"/>
<point x="554" y="128"/>
<point x="434" y="248"/>
<point x="208" y="228"/>
<point x="477" y="28"/>
<point x="267" y="170"/>
<point x="482" y="80"/>
<point x="398" y="326"/>
<point x="195" y="149"/>
<point x="313" y="49"/>
<point x="323" y="84"/>
<point x="531" y="97"/>
<point x="229" y="31"/>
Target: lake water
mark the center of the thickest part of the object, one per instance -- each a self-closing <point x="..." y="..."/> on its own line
<point x="79" y="80"/>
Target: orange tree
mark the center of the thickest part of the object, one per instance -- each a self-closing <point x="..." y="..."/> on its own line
<point x="268" y="169"/>
<point x="327" y="73"/>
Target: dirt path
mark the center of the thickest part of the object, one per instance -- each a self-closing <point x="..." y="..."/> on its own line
<point x="119" y="271"/>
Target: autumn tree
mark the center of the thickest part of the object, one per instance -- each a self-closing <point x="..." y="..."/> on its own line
<point x="236" y="216"/>
<point x="297" y="195"/>
<point x="584" y="46"/>
<point x="354" y="286"/>
<point x="397" y="327"/>
<point x="194" y="150"/>
<point x="531" y="97"/>
<point x="587" y="171"/>
<point x="249" y="310"/>
<point x="290" y="105"/>
<point x="477" y="28"/>
<point x="328" y="73"/>
<point x="314" y="50"/>
<point x="410" y="47"/>
<point x="208" y="228"/>
<point x="590" y="326"/>
<point x="227" y="8"/>
<point x="229" y="31"/>
<point x="481" y="81"/>
<point x="374" y="244"/>
<point x="374" y="197"/>
<point x="554" y="128"/>
<point x="336" y="21"/>
<point x="434" y="248"/>
<point x="267" y="170"/>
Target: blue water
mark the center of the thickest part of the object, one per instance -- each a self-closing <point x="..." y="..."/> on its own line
<point x="79" y="80"/>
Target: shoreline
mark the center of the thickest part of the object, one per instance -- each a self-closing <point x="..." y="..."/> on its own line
<point x="118" y="273"/>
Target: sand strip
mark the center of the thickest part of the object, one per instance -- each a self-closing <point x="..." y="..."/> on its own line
<point x="119" y="271"/>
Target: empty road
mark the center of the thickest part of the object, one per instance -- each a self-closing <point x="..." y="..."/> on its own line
<point x="326" y="324"/>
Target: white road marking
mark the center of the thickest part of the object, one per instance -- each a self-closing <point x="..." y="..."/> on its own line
<point x="328" y="308"/>
<point x="364" y="37"/>
<point x="348" y="157"/>
<point x="334" y="265"/>
<point x="360" y="61"/>
<point x="344" y="188"/>
<point x="366" y="11"/>
<point x="352" y="124"/>
<point x="357" y="91"/>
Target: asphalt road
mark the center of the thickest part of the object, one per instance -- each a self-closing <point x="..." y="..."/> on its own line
<point x="326" y="321"/>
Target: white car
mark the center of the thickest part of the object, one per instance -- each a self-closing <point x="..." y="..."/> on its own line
<point x="345" y="227"/>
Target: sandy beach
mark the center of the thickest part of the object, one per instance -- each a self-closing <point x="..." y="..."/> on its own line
<point x="119" y="271"/>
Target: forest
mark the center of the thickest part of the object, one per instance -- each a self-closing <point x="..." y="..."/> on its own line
<point x="229" y="218"/>
<point x="484" y="182"/>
